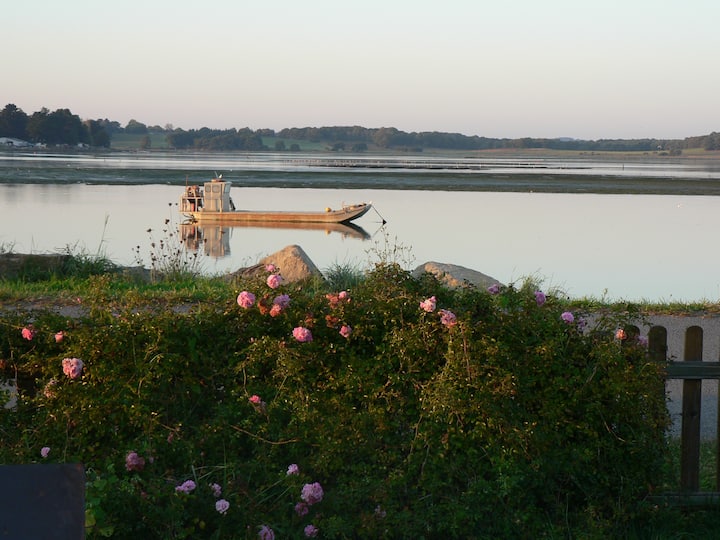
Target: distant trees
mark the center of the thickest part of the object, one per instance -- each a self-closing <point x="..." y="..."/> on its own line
<point x="136" y="128"/>
<point x="13" y="122"/>
<point x="97" y="133"/>
<point x="218" y="140"/>
<point x="58" y="127"/>
<point x="61" y="127"/>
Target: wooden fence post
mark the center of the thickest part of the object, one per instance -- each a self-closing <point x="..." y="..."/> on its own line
<point x="691" y="401"/>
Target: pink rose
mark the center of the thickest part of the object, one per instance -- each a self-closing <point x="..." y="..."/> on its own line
<point x="255" y="399"/>
<point x="568" y="317"/>
<point x="428" y="305"/>
<point x="45" y="451"/>
<point x="302" y="334"/>
<point x="72" y="367"/>
<point x="246" y="299"/>
<point x="302" y="509"/>
<point x="448" y="318"/>
<point x="311" y="531"/>
<point x="186" y="487"/>
<point x="282" y="300"/>
<point x="222" y="506"/>
<point x="494" y="288"/>
<point x="266" y="533"/>
<point x="345" y="331"/>
<point x="133" y="462"/>
<point x="270" y="268"/>
<point x="274" y="280"/>
<point x="540" y="298"/>
<point x="28" y="333"/>
<point x="621" y="334"/>
<point x="312" y="493"/>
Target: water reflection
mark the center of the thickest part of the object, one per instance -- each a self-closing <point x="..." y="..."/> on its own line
<point x="633" y="247"/>
<point x="215" y="239"/>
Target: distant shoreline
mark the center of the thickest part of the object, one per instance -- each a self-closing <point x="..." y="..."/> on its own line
<point x="490" y="171"/>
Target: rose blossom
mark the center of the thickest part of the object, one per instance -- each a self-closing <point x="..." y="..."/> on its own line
<point x="311" y="531"/>
<point x="72" y="367"/>
<point x="282" y="300"/>
<point x="345" y="330"/>
<point x="335" y="299"/>
<point x="186" y="487"/>
<point x="270" y="268"/>
<point x="275" y="310"/>
<point x="266" y="533"/>
<point x="429" y="304"/>
<point x="246" y="299"/>
<point x="448" y="318"/>
<point x="222" y="506"/>
<point x="28" y="333"/>
<point x="133" y="462"/>
<point x="494" y="288"/>
<point x="49" y="390"/>
<point x="59" y="336"/>
<point x="302" y="509"/>
<point x="568" y="317"/>
<point x="216" y="489"/>
<point x="274" y="280"/>
<point x="312" y="493"/>
<point x="259" y="404"/>
<point x="293" y="469"/>
<point x="302" y="334"/>
<point x="621" y="334"/>
<point x="540" y="298"/>
<point x="44" y="451"/>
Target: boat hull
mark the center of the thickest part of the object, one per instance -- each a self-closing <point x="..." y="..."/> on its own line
<point x="343" y="215"/>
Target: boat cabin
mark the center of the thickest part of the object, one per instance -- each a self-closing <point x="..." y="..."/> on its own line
<point x="214" y="196"/>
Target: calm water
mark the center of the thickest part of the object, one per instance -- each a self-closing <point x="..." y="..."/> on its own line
<point x="621" y="246"/>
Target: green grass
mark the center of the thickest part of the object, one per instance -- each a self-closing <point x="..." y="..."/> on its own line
<point x="128" y="141"/>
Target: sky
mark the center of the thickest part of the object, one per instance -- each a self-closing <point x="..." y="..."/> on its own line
<point x="586" y="69"/>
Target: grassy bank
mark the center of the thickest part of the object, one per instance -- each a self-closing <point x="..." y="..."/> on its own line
<point x="362" y="406"/>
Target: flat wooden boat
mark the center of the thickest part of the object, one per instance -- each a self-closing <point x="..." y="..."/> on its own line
<point x="212" y="204"/>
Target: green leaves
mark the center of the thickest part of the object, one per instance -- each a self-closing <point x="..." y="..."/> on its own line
<point x="512" y="422"/>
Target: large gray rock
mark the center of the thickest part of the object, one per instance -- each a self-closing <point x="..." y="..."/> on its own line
<point x="454" y="276"/>
<point x="292" y="263"/>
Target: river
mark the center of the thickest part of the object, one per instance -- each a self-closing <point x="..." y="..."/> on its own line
<point x="639" y="231"/>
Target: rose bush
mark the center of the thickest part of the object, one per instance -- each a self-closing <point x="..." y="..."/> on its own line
<point x="498" y="415"/>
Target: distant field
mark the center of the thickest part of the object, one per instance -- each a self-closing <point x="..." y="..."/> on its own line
<point x="124" y="141"/>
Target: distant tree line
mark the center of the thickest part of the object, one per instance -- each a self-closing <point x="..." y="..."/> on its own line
<point x="57" y="128"/>
<point x="61" y="127"/>
<point x="213" y="139"/>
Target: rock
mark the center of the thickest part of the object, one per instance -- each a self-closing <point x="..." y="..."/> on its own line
<point x="292" y="263"/>
<point x="455" y="276"/>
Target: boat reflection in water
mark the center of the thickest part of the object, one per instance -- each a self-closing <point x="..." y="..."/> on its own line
<point x="214" y="240"/>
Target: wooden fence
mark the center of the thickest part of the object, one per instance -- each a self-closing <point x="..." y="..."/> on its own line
<point x="690" y="367"/>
